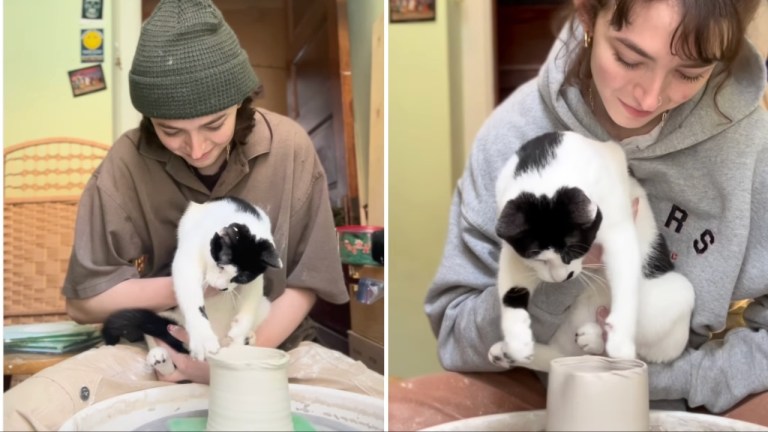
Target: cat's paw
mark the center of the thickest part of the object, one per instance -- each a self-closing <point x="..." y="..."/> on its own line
<point x="508" y="355"/>
<point x="227" y="341"/>
<point x="620" y="346"/>
<point x="250" y="338"/>
<point x="202" y="345"/>
<point x="159" y="359"/>
<point x="518" y="342"/>
<point x="589" y="338"/>
<point x="240" y="329"/>
<point x="231" y="341"/>
<point x="498" y="355"/>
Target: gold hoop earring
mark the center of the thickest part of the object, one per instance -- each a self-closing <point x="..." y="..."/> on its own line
<point x="227" y="150"/>
<point x="587" y="39"/>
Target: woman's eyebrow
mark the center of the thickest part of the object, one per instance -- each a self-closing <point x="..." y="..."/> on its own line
<point x="633" y="47"/>
<point x="163" y="125"/>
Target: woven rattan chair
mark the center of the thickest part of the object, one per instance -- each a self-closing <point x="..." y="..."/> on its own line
<point x="43" y="183"/>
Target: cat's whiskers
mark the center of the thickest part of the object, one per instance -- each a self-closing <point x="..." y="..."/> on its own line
<point x="587" y="282"/>
<point x="530" y="277"/>
<point x="594" y="276"/>
<point x="234" y="296"/>
<point x="595" y="281"/>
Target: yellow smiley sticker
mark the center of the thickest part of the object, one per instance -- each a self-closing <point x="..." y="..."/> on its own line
<point x="92" y="39"/>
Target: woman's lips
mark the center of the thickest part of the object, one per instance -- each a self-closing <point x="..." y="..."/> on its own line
<point x="634" y="112"/>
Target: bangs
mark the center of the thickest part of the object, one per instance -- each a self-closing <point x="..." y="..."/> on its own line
<point x="710" y="30"/>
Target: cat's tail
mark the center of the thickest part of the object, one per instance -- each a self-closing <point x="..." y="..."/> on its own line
<point x="133" y="324"/>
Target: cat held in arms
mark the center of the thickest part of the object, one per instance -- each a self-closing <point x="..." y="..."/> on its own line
<point x="559" y="194"/>
<point x="225" y="244"/>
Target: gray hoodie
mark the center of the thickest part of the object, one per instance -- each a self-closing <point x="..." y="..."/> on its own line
<point x="707" y="180"/>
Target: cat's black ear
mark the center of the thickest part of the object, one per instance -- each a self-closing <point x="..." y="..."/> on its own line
<point x="269" y="255"/>
<point x="221" y="253"/>
<point x="511" y="221"/>
<point x="580" y="207"/>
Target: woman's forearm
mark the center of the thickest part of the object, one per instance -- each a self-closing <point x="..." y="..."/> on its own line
<point x="150" y="293"/>
<point x="285" y="315"/>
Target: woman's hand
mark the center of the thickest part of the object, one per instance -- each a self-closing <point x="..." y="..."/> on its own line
<point x="594" y="258"/>
<point x="187" y="368"/>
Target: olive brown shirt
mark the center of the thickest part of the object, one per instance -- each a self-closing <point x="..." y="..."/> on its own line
<point x="132" y="204"/>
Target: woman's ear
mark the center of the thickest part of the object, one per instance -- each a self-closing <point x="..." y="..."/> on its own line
<point x="582" y="13"/>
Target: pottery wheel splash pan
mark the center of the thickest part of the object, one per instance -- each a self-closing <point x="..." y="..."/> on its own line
<point x="326" y="409"/>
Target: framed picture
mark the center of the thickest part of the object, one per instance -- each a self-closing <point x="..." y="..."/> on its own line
<point x="92" y="9"/>
<point x="87" y="80"/>
<point x="411" y="10"/>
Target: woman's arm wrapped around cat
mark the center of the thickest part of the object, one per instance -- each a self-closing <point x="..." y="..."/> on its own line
<point x="721" y="373"/>
<point x="101" y="278"/>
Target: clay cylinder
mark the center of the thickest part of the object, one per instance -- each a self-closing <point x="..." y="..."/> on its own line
<point x="590" y="393"/>
<point x="249" y="390"/>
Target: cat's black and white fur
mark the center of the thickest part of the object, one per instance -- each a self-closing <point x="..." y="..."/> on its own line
<point x="227" y="244"/>
<point x="557" y="196"/>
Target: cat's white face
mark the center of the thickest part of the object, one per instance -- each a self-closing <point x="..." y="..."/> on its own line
<point x="220" y="277"/>
<point x="549" y="266"/>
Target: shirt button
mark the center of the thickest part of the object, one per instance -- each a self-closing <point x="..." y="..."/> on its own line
<point x="84" y="393"/>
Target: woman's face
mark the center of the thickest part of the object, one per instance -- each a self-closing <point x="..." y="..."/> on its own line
<point x="635" y="74"/>
<point x="201" y="141"/>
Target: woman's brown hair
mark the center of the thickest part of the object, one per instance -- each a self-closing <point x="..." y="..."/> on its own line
<point x="244" y="123"/>
<point x="709" y="31"/>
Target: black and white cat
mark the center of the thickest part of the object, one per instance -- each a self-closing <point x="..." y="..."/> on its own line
<point x="560" y="193"/>
<point x="227" y="244"/>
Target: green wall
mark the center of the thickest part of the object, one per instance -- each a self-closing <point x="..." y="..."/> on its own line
<point x="420" y="185"/>
<point x="362" y="15"/>
<point x="41" y="42"/>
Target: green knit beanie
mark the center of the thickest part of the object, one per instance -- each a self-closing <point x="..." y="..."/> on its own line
<point x="188" y="63"/>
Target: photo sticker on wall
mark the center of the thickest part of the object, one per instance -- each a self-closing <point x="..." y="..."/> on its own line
<point x="92" y="9"/>
<point x="91" y="45"/>
<point x="87" y="80"/>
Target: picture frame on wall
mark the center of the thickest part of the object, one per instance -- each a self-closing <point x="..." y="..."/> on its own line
<point x="411" y="10"/>
<point x="87" y="80"/>
<point x="92" y="9"/>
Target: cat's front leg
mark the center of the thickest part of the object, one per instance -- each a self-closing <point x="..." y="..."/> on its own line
<point x="188" y="285"/>
<point x="515" y="287"/>
<point x="623" y="268"/>
<point x="254" y="307"/>
<point x="202" y="339"/>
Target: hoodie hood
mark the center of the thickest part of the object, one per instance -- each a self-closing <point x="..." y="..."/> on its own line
<point x="686" y="125"/>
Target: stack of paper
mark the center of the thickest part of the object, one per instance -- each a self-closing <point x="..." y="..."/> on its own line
<point x="54" y="338"/>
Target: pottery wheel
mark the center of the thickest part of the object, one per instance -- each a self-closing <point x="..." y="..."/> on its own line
<point x="149" y="410"/>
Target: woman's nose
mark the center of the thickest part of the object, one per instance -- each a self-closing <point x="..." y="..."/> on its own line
<point x="196" y="146"/>
<point x="650" y="97"/>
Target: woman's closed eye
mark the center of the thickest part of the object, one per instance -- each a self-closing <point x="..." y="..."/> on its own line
<point x="689" y="77"/>
<point x="170" y="132"/>
<point x="214" y="127"/>
<point x="625" y="63"/>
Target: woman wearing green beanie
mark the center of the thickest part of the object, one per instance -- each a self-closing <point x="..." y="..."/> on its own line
<point x="200" y="138"/>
